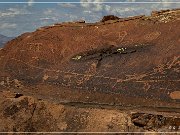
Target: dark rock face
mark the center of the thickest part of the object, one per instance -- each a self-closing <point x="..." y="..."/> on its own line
<point x="128" y="63"/>
<point x="109" y="17"/>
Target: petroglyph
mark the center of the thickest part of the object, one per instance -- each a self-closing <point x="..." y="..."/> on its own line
<point x="160" y="68"/>
<point x="121" y="36"/>
<point x="78" y="38"/>
<point x="45" y="77"/>
<point x="152" y="36"/>
<point x="92" y="69"/>
<point x="103" y="32"/>
<point x="80" y="80"/>
<point x="158" y="77"/>
<point x="67" y="81"/>
<point x="130" y="77"/>
<point x="65" y="51"/>
<point x="37" y="47"/>
<point x="17" y="83"/>
<point x="135" y="77"/>
<point x="2" y="83"/>
<point x="146" y="86"/>
<point x="7" y="82"/>
<point x="176" y="70"/>
<point x="52" y="47"/>
<point x="117" y="36"/>
<point x="127" y="42"/>
<point x="175" y="61"/>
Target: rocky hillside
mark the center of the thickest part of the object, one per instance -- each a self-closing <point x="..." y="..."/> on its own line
<point x="122" y="64"/>
<point x="20" y="113"/>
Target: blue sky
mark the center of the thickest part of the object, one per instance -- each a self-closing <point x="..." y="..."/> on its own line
<point x="18" y="18"/>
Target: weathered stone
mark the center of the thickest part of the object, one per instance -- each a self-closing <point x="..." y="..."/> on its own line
<point x="98" y="73"/>
<point x="109" y="17"/>
<point x="26" y="114"/>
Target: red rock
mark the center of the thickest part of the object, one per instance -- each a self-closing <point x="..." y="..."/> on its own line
<point x="137" y="57"/>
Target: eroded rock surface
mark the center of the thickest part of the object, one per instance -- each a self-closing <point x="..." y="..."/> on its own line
<point x="27" y="114"/>
<point x="119" y="64"/>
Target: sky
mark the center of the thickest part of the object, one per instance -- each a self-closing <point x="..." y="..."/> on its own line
<point x="18" y="18"/>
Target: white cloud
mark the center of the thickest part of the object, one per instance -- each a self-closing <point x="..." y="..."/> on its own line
<point x="30" y="2"/>
<point x="48" y="11"/>
<point x="68" y="5"/>
<point x="49" y="18"/>
<point x="97" y="6"/>
<point x="124" y="9"/>
<point x="87" y="11"/>
<point x="93" y="6"/>
<point x="11" y="12"/>
<point x="8" y="26"/>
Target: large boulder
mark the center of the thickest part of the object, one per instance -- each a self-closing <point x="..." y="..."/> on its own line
<point x="109" y="17"/>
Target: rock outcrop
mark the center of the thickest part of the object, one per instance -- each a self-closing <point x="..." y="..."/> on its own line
<point x="123" y="65"/>
<point x="20" y="113"/>
<point x="109" y="17"/>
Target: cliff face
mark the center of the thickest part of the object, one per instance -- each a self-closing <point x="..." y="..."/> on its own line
<point x="121" y="63"/>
